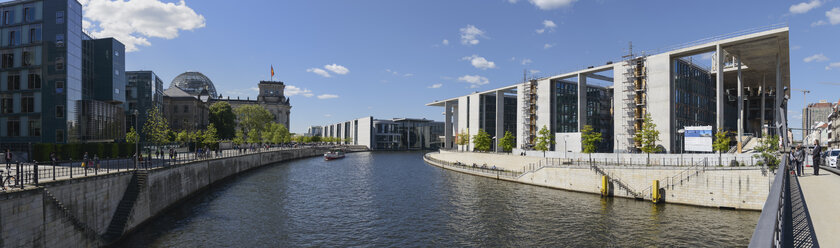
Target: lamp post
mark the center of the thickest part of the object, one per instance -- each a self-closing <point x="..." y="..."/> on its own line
<point x="136" y="144"/>
<point x="565" y="148"/>
<point x="681" y="131"/>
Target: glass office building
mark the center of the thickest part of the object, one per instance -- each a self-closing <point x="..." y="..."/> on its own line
<point x="406" y="134"/>
<point x="487" y="121"/>
<point x="694" y="94"/>
<point x="598" y="111"/>
<point x="143" y="91"/>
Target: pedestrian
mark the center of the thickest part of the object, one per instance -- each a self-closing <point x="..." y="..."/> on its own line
<point x="800" y="159"/>
<point x="96" y="162"/>
<point x="815" y="155"/>
<point x="8" y="159"/>
<point x="85" y="161"/>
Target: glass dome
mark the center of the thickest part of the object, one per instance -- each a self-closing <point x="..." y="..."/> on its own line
<point x="193" y="82"/>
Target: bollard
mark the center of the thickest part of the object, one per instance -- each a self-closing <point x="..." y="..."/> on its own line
<point x="36" y="173"/>
<point x="53" y="163"/>
<point x="604" y="186"/>
<point x="655" y="192"/>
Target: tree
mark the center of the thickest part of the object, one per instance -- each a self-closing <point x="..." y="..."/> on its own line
<point x="239" y="138"/>
<point x="508" y="142"/>
<point x="132" y="136"/>
<point x="589" y="138"/>
<point x="482" y="141"/>
<point x="721" y="144"/>
<point x="544" y="140"/>
<point x="317" y="139"/>
<point x="253" y="119"/>
<point x="253" y="136"/>
<point x="768" y="149"/>
<point x="348" y="140"/>
<point x="210" y="136"/>
<point x="156" y="127"/>
<point x="182" y="137"/>
<point x="463" y="139"/>
<point x="648" y="136"/>
<point x="223" y="118"/>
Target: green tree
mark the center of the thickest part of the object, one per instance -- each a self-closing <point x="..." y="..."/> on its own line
<point x="317" y="139"/>
<point x="210" y="136"/>
<point x="482" y="141"/>
<point x="348" y="140"/>
<point x="253" y="119"/>
<point x="544" y="140"/>
<point x="156" y="127"/>
<point x="253" y="136"/>
<point x="507" y="142"/>
<point x="463" y="139"/>
<point x="721" y="144"/>
<point x="132" y="136"/>
<point x="182" y="137"/>
<point x="768" y="149"/>
<point x="223" y="118"/>
<point x="648" y="137"/>
<point x="589" y="139"/>
<point x="239" y="139"/>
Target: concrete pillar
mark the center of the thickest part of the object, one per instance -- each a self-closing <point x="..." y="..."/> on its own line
<point x="719" y="88"/>
<point x="780" y="95"/>
<point x="581" y="101"/>
<point x="500" y="117"/>
<point x="447" y="126"/>
<point x="740" y="105"/>
<point x="762" y="91"/>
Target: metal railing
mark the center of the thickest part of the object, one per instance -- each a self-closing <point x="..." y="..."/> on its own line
<point x="22" y="174"/>
<point x="484" y="169"/>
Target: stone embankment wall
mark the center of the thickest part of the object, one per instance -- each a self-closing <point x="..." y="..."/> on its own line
<point x="726" y="187"/>
<point x="77" y="212"/>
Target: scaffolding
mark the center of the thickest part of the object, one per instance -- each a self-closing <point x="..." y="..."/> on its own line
<point x="529" y="112"/>
<point x="634" y="88"/>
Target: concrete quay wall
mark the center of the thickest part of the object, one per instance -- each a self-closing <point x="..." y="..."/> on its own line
<point x="77" y="212"/>
<point x="724" y="187"/>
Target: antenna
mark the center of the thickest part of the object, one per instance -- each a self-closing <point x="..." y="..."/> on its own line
<point x="629" y="50"/>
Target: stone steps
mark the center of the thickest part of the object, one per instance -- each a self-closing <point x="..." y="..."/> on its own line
<point x="126" y="206"/>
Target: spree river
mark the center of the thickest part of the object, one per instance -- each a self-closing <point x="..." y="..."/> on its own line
<point x="394" y="199"/>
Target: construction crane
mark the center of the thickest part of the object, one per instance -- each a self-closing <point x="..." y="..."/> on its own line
<point x="804" y="108"/>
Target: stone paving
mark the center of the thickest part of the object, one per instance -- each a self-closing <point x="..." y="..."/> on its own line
<point x="823" y="199"/>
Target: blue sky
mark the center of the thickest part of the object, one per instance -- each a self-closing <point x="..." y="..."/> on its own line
<point x="388" y="58"/>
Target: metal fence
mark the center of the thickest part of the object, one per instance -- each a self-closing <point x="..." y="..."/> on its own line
<point x="486" y="169"/>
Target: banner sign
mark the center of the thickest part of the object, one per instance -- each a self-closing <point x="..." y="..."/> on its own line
<point x="698" y="139"/>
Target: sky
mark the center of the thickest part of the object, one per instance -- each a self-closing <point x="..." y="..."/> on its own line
<point x="342" y="60"/>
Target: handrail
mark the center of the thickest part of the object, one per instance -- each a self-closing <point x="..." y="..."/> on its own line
<point x="773" y="228"/>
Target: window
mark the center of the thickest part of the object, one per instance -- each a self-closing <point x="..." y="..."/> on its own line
<point x="13" y="81"/>
<point x="28" y="57"/>
<point x="33" y="80"/>
<point x="59" y="136"/>
<point x="116" y="72"/>
<point x="27" y="103"/>
<point x="59" y="17"/>
<point x="175" y="109"/>
<point x="35" y="34"/>
<point x="13" y="127"/>
<point x="8" y="17"/>
<point x="59" y="86"/>
<point x="8" y="60"/>
<point x="59" y="63"/>
<point x="59" y="40"/>
<point x="35" y="127"/>
<point x="6" y="104"/>
<point x="28" y="14"/>
<point x="14" y="38"/>
<point x="59" y="111"/>
<point x="186" y="108"/>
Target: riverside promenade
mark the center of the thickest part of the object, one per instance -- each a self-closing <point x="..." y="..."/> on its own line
<point x="697" y="183"/>
<point x="820" y="193"/>
<point x="99" y="209"/>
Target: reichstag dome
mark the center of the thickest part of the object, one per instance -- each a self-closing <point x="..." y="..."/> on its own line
<point x="193" y="82"/>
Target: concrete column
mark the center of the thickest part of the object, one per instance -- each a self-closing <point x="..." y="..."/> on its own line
<point x="500" y="117"/>
<point x="762" y="91"/>
<point x="447" y="126"/>
<point x="719" y="88"/>
<point x="780" y="95"/>
<point x="740" y="105"/>
<point x="581" y="101"/>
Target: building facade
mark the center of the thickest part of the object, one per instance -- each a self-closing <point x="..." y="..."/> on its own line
<point x="744" y="91"/>
<point x="143" y="92"/>
<point x="834" y="127"/>
<point x="184" y="111"/>
<point x="814" y="114"/>
<point x="393" y="134"/>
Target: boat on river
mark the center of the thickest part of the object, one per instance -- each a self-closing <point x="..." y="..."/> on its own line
<point x="333" y="154"/>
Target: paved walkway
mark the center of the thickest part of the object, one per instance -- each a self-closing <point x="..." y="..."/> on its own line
<point x="822" y="194"/>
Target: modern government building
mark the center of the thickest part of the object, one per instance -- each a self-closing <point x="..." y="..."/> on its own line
<point x="747" y="81"/>
<point x="381" y="134"/>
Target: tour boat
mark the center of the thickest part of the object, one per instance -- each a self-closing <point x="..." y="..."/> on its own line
<point x="333" y="155"/>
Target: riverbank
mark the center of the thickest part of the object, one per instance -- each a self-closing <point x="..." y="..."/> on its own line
<point x="708" y="186"/>
<point x="96" y="210"/>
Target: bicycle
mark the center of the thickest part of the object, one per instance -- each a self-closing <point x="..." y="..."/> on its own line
<point x="9" y="179"/>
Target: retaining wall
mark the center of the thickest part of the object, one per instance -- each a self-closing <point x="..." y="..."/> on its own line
<point x="83" y="207"/>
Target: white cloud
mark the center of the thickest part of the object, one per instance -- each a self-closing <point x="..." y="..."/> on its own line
<point x="396" y="73"/>
<point x="435" y="86"/>
<point x="474" y="80"/>
<point x="818" y="23"/>
<point x="707" y="56"/>
<point x="804" y="7"/>
<point x="470" y="35"/>
<point x="408" y="75"/>
<point x="445" y="42"/>
<point x="327" y="96"/>
<point x="292" y="90"/>
<point x="547" y="46"/>
<point x="833" y="16"/>
<point x="319" y="71"/>
<point x="548" y="25"/>
<point x="551" y="4"/>
<point x="480" y="62"/>
<point x="327" y="115"/>
<point x="833" y="65"/>
<point x="512" y="1"/>
<point x="134" y="22"/>
<point x="527" y="61"/>
<point x="816" y="57"/>
<point x="337" y="69"/>
<point x="534" y="71"/>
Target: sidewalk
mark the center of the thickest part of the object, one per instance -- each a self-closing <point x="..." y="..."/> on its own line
<point x="821" y="194"/>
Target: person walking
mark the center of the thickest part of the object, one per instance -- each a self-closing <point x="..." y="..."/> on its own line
<point x="800" y="159"/>
<point x="815" y="155"/>
<point x="8" y="159"/>
<point x="95" y="162"/>
<point x="85" y="161"/>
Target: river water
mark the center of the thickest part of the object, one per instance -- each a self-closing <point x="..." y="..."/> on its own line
<point x="394" y="199"/>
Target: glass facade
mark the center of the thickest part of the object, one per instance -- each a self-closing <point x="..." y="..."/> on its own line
<point x="598" y="111"/>
<point x="487" y="122"/>
<point x="407" y="134"/>
<point x="193" y="83"/>
<point x="143" y="91"/>
<point x="694" y="98"/>
<point x="566" y="107"/>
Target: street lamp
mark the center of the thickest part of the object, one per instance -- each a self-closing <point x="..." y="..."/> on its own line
<point x="136" y="144"/>
<point x="565" y="148"/>
<point x="682" y="146"/>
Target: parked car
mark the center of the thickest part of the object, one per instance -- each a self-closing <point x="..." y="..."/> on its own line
<point x="831" y="159"/>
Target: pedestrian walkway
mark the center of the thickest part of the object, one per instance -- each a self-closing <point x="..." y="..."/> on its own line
<point x="823" y="204"/>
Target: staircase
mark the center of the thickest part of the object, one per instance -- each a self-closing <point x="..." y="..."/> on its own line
<point x="88" y="232"/>
<point x="618" y="182"/>
<point x="126" y="205"/>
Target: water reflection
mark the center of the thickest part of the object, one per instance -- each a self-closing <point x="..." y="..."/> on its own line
<point x="394" y="199"/>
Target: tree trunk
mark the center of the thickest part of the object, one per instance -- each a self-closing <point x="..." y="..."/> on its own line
<point x="648" y="159"/>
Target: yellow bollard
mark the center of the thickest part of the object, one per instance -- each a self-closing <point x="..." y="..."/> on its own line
<point x="654" y="194"/>
<point x="605" y="183"/>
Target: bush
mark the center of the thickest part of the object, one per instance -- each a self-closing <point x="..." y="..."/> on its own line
<point x="41" y="152"/>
